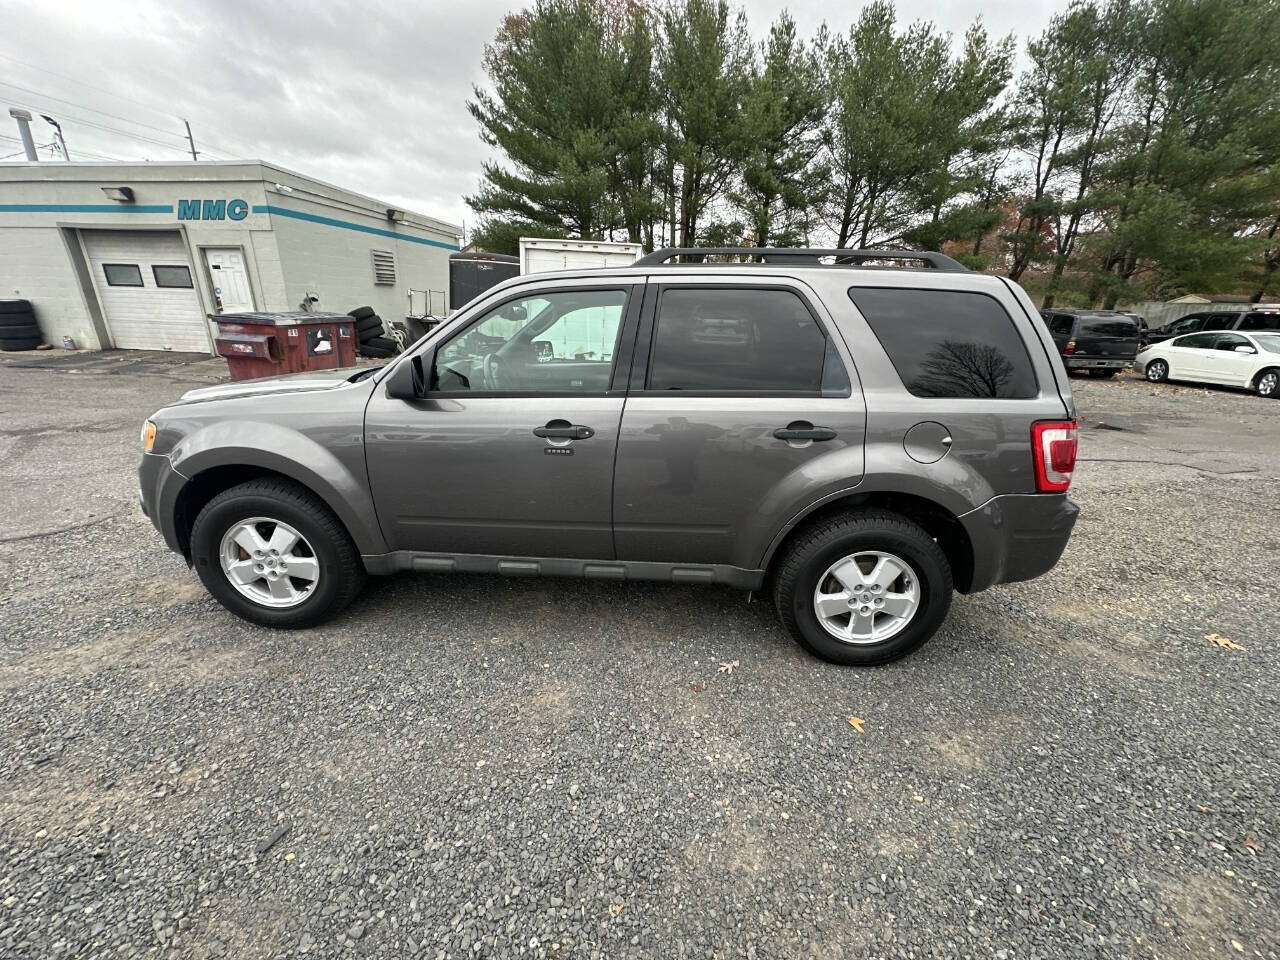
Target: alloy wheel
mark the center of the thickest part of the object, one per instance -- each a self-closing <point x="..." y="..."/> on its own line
<point x="867" y="597"/>
<point x="269" y="562"/>
<point x="1157" y="370"/>
<point x="1267" y="383"/>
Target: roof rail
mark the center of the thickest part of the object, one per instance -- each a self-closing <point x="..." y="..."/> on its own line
<point x="806" y="255"/>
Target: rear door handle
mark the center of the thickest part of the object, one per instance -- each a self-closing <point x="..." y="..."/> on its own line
<point x="804" y="430"/>
<point x="563" y="430"/>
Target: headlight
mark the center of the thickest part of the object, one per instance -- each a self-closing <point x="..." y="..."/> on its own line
<point x="148" y="435"/>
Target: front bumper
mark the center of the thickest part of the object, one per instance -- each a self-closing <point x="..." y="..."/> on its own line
<point x="1018" y="536"/>
<point x="158" y="487"/>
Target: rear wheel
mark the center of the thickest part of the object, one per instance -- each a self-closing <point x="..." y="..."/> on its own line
<point x="863" y="588"/>
<point x="273" y="553"/>
<point x="1268" y="383"/>
<point x="1157" y="371"/>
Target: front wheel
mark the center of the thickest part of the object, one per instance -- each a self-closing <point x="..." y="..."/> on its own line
<point x="273" y="553"/>
<point x="1268" y="383"/>
<point x="1157" y="371"/>
<point x="863" y="588"/>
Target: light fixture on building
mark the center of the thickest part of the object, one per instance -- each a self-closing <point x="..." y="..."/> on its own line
<point x="395" y="215"/>
<point x="123" y="194"/>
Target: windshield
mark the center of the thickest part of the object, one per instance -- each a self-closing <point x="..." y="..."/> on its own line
<point x="1108" y="327"/>
<point x="1269" y="344"/>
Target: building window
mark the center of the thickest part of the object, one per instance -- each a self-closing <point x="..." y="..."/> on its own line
<point x="384" y="266"/>
<point x="172" y="276"/>
<point x="122" y="274"/>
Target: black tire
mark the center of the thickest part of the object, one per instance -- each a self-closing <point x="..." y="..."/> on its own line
<point x="359" y="313"/>
<point x="341" y="570"/>
<point x="377" y="353"/>
<point x="369" y="325"/>
<point x="1102" y="374"/>
<point x="9" y="321"/>
<point x="20" y="343"/>
<point x="1267" y="383"/>
<point x="814" y="550"/>
<point x="1160" y="373"/>
<point x="381" y="343"/>
<point x="15" y="306"/>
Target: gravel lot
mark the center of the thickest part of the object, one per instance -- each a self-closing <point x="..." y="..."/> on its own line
<point x="476" y="767"/>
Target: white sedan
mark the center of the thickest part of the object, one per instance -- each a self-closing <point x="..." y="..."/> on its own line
<point x="1249" y="360"/>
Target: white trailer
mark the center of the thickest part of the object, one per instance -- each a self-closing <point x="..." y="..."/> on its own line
<point x="538" y="254"/>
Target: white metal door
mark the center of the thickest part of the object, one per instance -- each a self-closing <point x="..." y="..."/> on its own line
<point x="230" y="280"/>
<point x="146" y="289"/>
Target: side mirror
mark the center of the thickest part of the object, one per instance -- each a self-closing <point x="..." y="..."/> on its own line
<point x="406" y="380"/>
<point x="1245" y="349"/>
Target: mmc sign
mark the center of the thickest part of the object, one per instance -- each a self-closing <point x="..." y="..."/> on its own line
<point x="212" y="209"/>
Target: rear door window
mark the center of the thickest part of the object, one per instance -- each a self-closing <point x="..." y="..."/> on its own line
<point x="1061" y="325"/>
<point x="742" y="340"/>
<point x="948" y="344"/>
<point x="1197" y="341"/>
<point x="1221" y="321"/>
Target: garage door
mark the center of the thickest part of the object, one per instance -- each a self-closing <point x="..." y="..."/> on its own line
<point x="147" y="290"/>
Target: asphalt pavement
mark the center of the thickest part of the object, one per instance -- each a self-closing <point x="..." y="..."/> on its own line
<point x="1087" y="765"/>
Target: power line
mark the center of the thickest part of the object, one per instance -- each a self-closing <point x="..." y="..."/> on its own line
<point x="80" y="106"/>
<point x="101" y="91"/>
<point x="128" y="134"/>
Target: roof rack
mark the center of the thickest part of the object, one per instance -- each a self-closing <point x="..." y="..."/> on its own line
<point x="812" y="256"/>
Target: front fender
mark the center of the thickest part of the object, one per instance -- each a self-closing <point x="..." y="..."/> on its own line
<point x="334" y="470"/>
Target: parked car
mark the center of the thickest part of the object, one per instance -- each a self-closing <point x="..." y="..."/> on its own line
<point x="690" y="422"/>
<point x="1098" y="342"/>
<point x="1248" y="360"/>
<point x="1258" y="318"/>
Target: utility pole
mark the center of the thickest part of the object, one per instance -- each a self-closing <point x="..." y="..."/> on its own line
<point x="57" y="132"/>
<point x="191" y="140"/>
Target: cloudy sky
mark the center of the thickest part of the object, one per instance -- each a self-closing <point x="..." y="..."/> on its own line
<point x="368" y="96"/>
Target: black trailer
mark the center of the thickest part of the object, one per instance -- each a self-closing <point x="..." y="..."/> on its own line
<point x="471" y="274"/>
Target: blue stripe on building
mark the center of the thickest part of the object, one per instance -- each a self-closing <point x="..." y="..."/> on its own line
<point x="348" y="225"/>
<point x="86" y="208"/>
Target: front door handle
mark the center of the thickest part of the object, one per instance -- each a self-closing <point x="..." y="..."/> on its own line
<point x="563" y="430"/>
<point x="804" y="430"/>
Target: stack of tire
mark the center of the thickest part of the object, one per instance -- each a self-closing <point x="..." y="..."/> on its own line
<point x="372" y="335"/>
<point x="18" y="328"/>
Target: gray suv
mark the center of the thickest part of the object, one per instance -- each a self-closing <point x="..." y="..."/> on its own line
<point x="858" y="438"/>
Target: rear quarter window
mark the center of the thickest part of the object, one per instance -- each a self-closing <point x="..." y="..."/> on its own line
<point x="945" y="343"/>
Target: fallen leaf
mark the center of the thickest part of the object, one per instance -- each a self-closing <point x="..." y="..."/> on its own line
<point x="917" y="798"/>
<point x="728" y="665"/>
<point x="1223" y="642"/>
<point x="289" y="857"/>
<point x="697" y="687"/>
<point x="1252" y="845"/>
<point x="616" y="908"/>
<point x="856" y="723"/>
<point x="1238" y="946"/>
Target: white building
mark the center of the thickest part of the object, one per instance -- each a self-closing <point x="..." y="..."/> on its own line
<point x="138" y="255"/>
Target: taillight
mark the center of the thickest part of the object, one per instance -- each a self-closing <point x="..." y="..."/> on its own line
<point x="1071" y="348"/>
<point x="1053" y="448"/>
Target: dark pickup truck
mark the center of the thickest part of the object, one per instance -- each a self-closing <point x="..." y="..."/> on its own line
<point x="1098" y="342"/>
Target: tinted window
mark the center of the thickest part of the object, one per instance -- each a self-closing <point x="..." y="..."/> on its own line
<point x="1061" y="325"/>
<point x="717" y="340"/>
<point x="1186" y="324"/>
<point x="1220" y="321"/>
<point x="1108" y="327"/>
<point x="175" y="276"/>
<point x="122" y="274"/>
<point x="1200" y="341"/>
<point x="1229" y="341"/>
<point x="1260" y="321"/>
<point x="948" y="344"/>
<point x="559" y="341"/>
